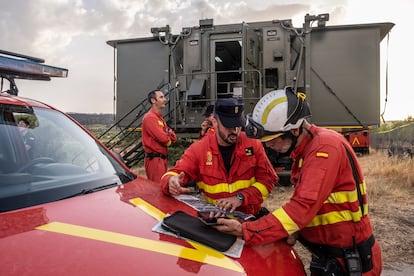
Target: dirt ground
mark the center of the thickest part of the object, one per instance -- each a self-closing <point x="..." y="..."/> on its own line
<point x="393" y="221"/>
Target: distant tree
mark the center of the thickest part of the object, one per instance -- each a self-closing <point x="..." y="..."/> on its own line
<point x="87" y="119"/>
<point x="394" y="124"/>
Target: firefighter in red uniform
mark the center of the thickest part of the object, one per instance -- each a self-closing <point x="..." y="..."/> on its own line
<point x="156" y="137"/>
<point x="231" y="170"/>
<point x="328" y="210"/>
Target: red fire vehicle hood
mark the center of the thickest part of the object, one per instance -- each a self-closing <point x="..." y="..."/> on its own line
<point x="110" y="233"/>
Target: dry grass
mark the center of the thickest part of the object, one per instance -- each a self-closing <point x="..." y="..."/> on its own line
<point x="388" y="176"/>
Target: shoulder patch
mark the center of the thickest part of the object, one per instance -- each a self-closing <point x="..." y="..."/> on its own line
<point x="322" y="154"/>
<point x="160" y="123"/>
<point x="209" y="158"/>
<point x="249" y="151"/>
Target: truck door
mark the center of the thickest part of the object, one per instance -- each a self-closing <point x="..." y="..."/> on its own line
<point x="226" y="65"/>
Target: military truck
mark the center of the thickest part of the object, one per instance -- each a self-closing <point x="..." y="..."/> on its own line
<point x="338" y="67"/>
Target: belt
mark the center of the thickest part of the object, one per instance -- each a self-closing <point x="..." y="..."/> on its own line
<point x="152" y="155"/>
<point x="336" y="252"/>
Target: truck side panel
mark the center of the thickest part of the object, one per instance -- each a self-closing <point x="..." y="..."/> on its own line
<point x="345" y="62"/>
<point x="141" y="66"/>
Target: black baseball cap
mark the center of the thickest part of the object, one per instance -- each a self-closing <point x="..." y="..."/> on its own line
<point x="230" y="112"/>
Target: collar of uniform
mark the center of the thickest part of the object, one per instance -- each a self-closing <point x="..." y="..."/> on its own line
<point x="298" y="152"/>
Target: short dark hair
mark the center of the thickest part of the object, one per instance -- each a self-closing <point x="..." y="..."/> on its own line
<point x="151" y="95"/>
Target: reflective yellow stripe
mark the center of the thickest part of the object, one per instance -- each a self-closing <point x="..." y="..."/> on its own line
<point x="201" y="254"/>
<point x="241" y="185"/>
<point x="168" y="143"/>
<point x="270" y="106"/>
<point x="344" y="215"/>
<point x="335" y="217"/>
<point x="262" y="188"/>
<point x="226" y="187"/>
<point x="170" y="173"/>
<point x="288" y="224"/>
<point x="365" y="209"/>
<point x="329" y="218"/>
<point x="346" y="196"/>
<point x="363" y="188"/>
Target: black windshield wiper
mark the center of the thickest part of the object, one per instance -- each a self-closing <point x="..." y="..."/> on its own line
<point x="126" y="177"/>
<point x="93" y="190"/>
<point x="100" y="188"/>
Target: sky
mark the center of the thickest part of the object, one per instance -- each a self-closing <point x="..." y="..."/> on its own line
<point x="73" y="33"/>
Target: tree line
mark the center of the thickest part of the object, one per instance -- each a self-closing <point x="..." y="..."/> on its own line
<point x="88" y="119"/>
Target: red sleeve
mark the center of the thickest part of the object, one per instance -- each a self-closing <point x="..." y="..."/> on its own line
<point x="188" y="163"/>
<point x="164" y="183"/>
<point x="265" y="175"/>
<point x="264" y="230"/>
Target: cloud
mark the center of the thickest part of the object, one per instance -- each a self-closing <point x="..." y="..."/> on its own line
<point x="46" y="27"/>
<point x="73" y="33"/>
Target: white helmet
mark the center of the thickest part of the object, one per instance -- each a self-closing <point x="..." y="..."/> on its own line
<point x="276" y="113"/>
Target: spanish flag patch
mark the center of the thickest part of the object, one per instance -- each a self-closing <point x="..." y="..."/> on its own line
<point x="322" y="154"/>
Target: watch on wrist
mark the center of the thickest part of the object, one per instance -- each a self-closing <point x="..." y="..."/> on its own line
<point x="240" y="196"/>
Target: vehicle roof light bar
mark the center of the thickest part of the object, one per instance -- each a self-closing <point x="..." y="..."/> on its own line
<point x="19" y="66"/>
<point x="28" y="67"/>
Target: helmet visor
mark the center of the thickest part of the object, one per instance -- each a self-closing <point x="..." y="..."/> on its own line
<point x="255" y="130"/>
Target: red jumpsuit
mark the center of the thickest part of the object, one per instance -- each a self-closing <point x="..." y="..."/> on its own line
<point x="324" y="205"/>
<point x="251" y="172"/>
<point x="156" y="137"/>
